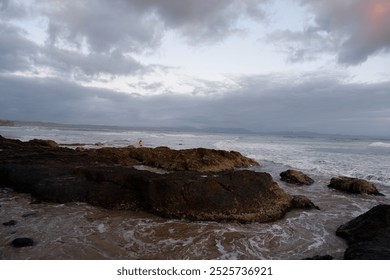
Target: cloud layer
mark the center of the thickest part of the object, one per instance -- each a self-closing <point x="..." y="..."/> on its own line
<point x="101" y="37"/>
<point x="98" y="41"/>
<point x="263" y="103"/>
<point x="353" y="30"/>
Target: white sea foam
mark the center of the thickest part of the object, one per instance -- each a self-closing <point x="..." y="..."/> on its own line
<point x="379" y="144"/>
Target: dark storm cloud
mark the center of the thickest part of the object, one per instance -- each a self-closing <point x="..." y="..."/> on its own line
<point x="353" y="30"/>
<point x="203" y="20"/>
<point x="102" y="25"/>
<point x="263" y="103"/>
<point x="88" y="38"/>
<point x="136" y="25"/>
<point x="67" y="61"/>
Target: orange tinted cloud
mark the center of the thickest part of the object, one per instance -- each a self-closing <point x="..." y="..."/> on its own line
<point x="378" y="10"/>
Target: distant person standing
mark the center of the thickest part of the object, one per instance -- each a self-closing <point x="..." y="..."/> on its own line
<point x="140" y="143"/>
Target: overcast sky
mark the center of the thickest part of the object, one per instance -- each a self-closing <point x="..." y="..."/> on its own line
<point x="262" y="65"/>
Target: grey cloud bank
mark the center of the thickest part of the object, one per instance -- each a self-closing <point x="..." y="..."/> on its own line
<point x="353" y="30"/>
<point x="92" y="42"/>
<point x="261" y="104"/>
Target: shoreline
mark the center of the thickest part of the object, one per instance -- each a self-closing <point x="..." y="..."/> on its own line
<point x="325" y="210"/>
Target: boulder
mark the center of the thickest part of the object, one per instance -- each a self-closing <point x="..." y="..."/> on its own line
<point x="368" y="235"/>
<point x="354" y="185"/>
<point x="44" y="143"/>
<point x="302" y="202"/>
<point x="242" y="196"/>
<point x="296" y="177"/>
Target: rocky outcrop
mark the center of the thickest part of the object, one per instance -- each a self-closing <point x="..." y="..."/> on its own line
<point x="296" y="177"/>
<point x="200" y="159"/>
<point x="233" y="195"/>
<point x="44" y="143"/>
<point x="368" y="235"/>
<point x="242" y="196"/>
<point x="353" y="185"/>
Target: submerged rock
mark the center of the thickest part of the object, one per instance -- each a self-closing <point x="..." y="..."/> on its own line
<point x="296" y="177"/>
<point x="353" y="185"/>
<point x="368" y="235"/>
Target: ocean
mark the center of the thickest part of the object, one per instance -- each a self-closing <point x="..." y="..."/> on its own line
<point x="82" y="231"/>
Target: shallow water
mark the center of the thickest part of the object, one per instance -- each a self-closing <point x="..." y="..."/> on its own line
<point x="81" y="231"/>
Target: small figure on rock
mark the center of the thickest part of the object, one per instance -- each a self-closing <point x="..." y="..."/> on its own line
<point x="141" y="143"/>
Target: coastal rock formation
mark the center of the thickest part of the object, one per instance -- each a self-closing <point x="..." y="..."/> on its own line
<point x="368" y="235"/>
<point x="353" y="185"/>
<point x="63" y="175"/>
<point x="296" y="177"/>
<point x="242" y="196"/>
<point x="45" y="143"/>
<point x="200" y="159"/>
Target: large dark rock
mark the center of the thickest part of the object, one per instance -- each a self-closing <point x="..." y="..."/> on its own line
<point x="240" y="195"/>
<point x="368" y="235"/>
<point x="200" y="159"/>
<point x="98" y="177"/>
<point x="296" y="177"/>
<point x="353" y="185"/>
